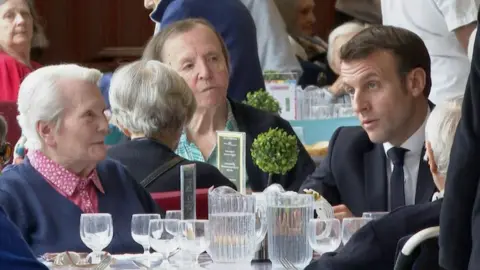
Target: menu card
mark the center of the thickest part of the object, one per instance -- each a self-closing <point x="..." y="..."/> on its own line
<point x="188" y="182"/>
<point x="231" y="157"/>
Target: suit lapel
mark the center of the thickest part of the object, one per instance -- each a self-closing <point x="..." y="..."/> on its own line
<point x="376" y="192"/>
<point x="425" y="185"/>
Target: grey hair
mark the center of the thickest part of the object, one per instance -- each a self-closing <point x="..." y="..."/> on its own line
<point x="149" y="97"/>
<point x="40" y="99"/>
<point x="440" y="131"/>
<point x="344" y="29"/>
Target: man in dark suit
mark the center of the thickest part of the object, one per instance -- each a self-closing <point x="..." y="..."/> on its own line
<point x="379" y="166"/>
<point x="375" y="245"/>
<point x="460" y="218"/>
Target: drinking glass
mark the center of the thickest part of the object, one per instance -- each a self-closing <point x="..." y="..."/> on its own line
<point x="173" y="214"/>
<point x="161" y="240"/>
<point x="374" y="215"/>
<point x="140" y="223"/>
<point x="325" y="235"/>
<point x="352" y="225"/>
<point x="194" y="237"/>
<point x="96" y="232"/>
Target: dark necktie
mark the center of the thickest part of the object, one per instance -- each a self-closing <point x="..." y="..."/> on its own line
<point x="397" y="179"/>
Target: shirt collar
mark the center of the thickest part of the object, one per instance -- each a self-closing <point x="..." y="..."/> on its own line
<point x="414" y="143"/>
<point x="64" y="180"/>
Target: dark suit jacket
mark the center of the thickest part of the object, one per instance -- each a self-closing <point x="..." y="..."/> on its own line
<point x="461" y="195"/>
<point x="253" y="122"/>
<point x="143" y="156"/>
<point x="374" y="245"/>
<point x="354" y="174"/>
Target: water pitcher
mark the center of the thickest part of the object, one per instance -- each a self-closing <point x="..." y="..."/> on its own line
<point x="288" y="214"/>
<point x="233" y="221"/>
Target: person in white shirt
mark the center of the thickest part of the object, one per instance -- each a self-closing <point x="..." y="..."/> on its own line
<point x="445" y="26"/>
<point x="274" y="47"/>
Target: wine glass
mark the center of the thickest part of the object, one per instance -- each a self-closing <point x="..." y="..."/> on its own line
<point x="374" y="215"/>
<point x="352" y="225"/>
<point x="325" y="235"/>
<point x="96" y="232"/>
<point x="173" y="214"/>
<point x="140" y="223"/>
<point x="161" y="240"/>
<point x="194" y="237"/>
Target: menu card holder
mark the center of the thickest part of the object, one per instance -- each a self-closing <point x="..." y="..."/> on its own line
<point x="231" y="157"/>
<point x="188" y="182"/>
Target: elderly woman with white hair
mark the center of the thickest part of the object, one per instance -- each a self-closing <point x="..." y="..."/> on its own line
<point x="151" y="103"/>
<point x="65" y="174"/>
<point x="375" y="244"/>
<point x="339" y="36"/>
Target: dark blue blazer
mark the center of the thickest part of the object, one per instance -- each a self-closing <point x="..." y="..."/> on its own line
<point x="460" y="220"/>
<point x="354" y="174"/>
<point x="374" y="245"/>
<point x="253" y="122"/>
<point x="233" y="21"/>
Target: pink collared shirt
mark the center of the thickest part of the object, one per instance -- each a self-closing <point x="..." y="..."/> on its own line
<point x="79" y="190"/>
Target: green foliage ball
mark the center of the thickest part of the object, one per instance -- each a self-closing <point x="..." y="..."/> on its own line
<point x="275" y="151"/>
<point x="262" y="100"/>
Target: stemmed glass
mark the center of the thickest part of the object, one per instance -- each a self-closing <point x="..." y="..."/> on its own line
<point x="173" y="214"/>
<point x="161" y="239"/>
<point x="194" y="237"/>
<point x="140" y="223"/>
<point x="96" y="232"/>
<point x="374" y="215"/>
<point x="351" y="226"/>
<point x="325" y="234"/>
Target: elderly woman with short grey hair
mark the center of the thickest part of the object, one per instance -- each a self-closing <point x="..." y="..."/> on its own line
<point x="151" y="104"/>
<point x="197" y="52"/>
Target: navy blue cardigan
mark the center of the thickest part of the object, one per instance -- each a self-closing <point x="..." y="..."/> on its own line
<point x="49" y="222"/>
<point x="14" y="252"/>
<point x="236" y="26"/>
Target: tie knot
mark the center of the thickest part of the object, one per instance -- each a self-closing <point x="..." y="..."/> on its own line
<point x="397" y="155"/>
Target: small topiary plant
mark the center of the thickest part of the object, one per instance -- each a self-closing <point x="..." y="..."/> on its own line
<point x="262" y="100"/>
<point x="275" y="152"/>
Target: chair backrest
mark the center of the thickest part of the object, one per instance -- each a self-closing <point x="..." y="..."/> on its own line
<point x="9" y="110"/>
<point x="420" y="251"/>
<point x="171" y="201"/>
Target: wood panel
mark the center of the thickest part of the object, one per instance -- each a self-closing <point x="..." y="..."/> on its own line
<point x="325" y="15"/>
<point x="79" y="30"/>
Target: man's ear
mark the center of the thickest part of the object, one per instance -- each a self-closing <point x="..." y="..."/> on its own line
<point x="416" y="81"/>
<point x="46" y="131"/>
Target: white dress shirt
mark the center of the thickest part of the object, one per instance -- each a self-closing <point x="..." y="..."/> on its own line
<point x="435" y="21"/>
<point x="411" y="164"/>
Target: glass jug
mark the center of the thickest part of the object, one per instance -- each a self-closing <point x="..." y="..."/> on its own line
<point x="288" y="215"/>
<point x="233" y="219"/>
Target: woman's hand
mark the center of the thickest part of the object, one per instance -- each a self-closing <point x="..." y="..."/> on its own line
<point x="437" y="178"/>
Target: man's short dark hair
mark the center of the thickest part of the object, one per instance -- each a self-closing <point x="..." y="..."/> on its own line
<point x="407" y="47"/>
